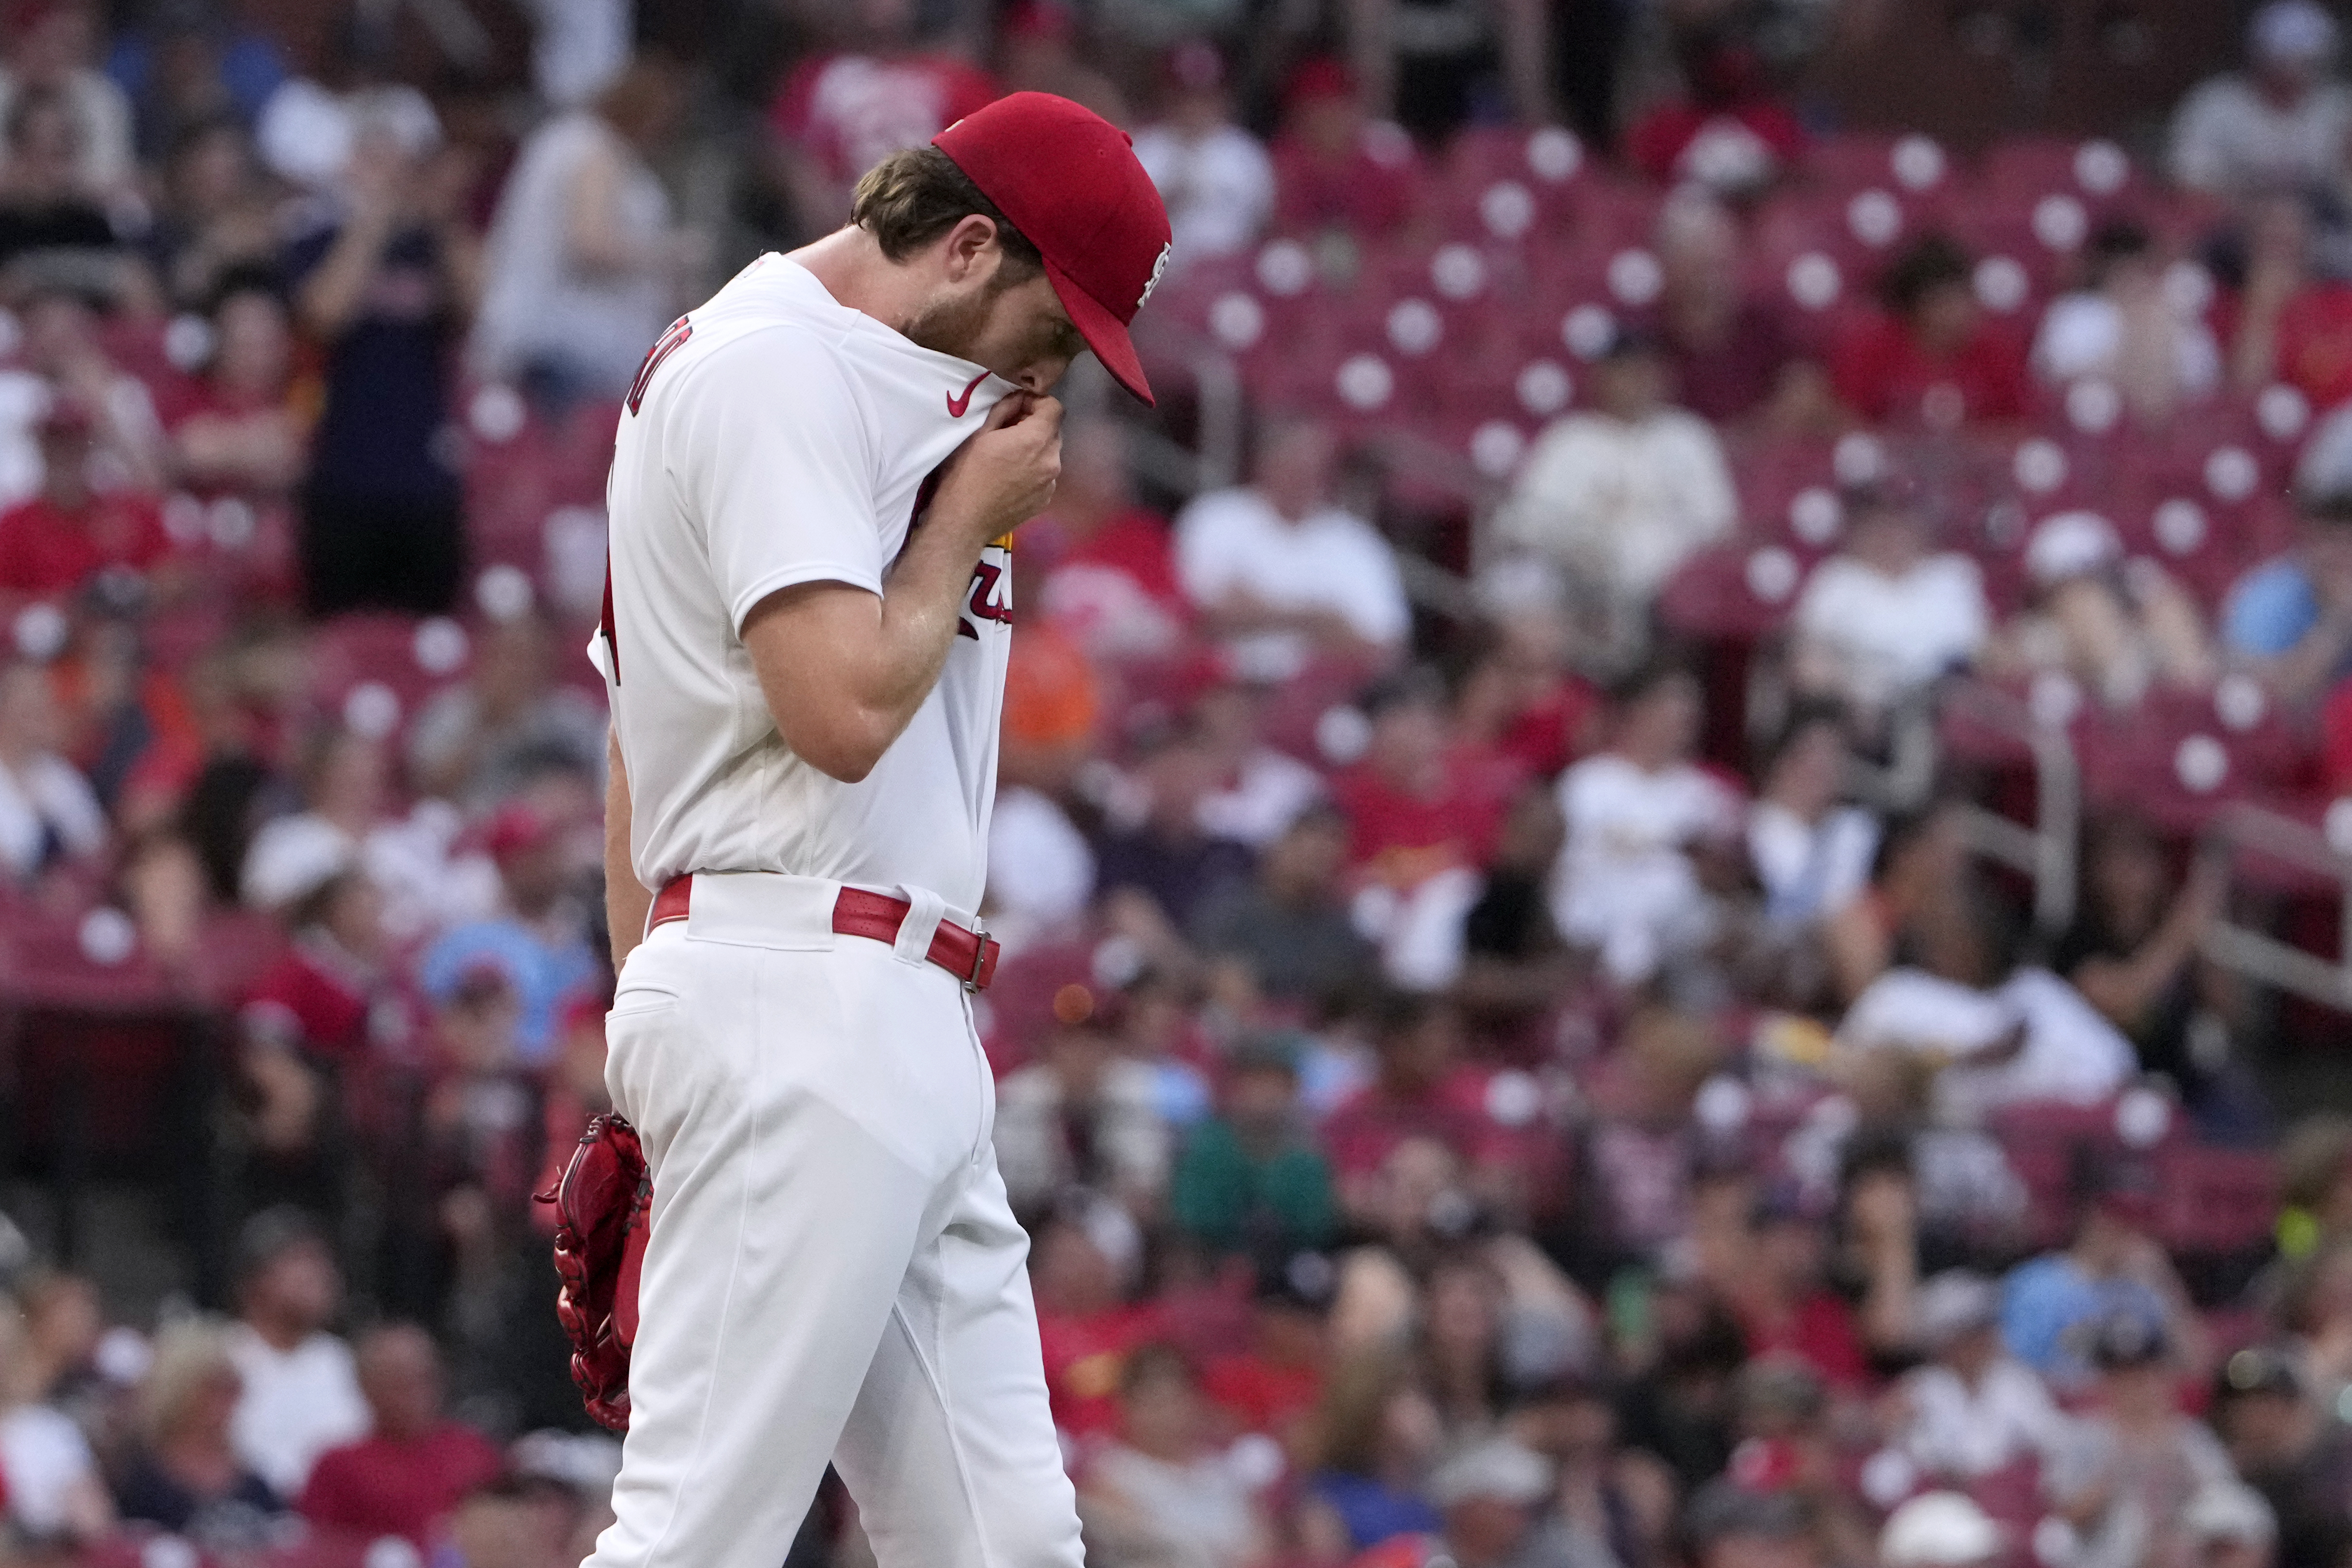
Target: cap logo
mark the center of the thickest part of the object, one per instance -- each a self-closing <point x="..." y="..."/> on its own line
<point x="1152" y="282"/>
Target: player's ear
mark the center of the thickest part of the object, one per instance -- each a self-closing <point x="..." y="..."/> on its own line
<point x="966" y="243"/>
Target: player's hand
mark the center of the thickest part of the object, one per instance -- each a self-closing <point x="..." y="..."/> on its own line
<point x="1004" y="475"/>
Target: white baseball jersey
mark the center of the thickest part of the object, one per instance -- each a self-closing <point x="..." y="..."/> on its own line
<point x="775" y="436"/>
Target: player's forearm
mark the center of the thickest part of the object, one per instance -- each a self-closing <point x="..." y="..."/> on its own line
<point x="844" y="672"/>
<point x="626" y="899"/>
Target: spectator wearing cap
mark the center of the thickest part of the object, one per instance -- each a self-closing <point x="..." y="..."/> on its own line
<point x="584" y="265"/>
<point x="1107" y="569"/>
<point x="2231" y="1526"/>
<point x="871" y="87"/>
<point x="1728" y="1525"/>
<point x="387" y="287"/>
<point x="2296" y="1453"/>
<point x="1282" y="573"/>
<point x="1890" y="613"/>
<point x="406" y="1476"/>
<point x="2289" y="620"/>
<point x="539" y="940"/>
<point x="1972" y="1410"/>
<point x="1284" y="937"/>
<point x="71" y="537"/>
<point x="2122" y="326"/>
<point x="1214" y="175"/>
<point x="1732" y="355"/>
<point x="1931" y="356"/>
<point x="1641" y="817"/>
<point x="1494" y="1497"/>
<point x="1940" y="1530"/>
<point x="2277" y="127"/>
<point x="2127" y="1484"/>
<point x="299" y="1393"/>
<point x="2118" y="626"/>
<point x="1621" y="494"/>
<point x="507" y="725"/>
<point x="52" y="49"/>
<point x="188" y="1474"/>
<point x="1272" y="1383"/>
<point x="1085" y="1115"/>
<point x="1160" y="1489"/>
<point x="1336" y="170"/>
<point x="1251" y="1178"/>
<point x="48" y="814"/>
<point x="2113" y="1270"/>
<point x="1789" y="1443"/>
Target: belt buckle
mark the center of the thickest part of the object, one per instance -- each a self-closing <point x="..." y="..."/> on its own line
<point x="979" y="955"/>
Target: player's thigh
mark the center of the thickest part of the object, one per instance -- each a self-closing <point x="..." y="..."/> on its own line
<point x="951" y="1452"/>
<point x="782" y="1232"/>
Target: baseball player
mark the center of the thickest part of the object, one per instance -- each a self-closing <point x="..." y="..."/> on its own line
<point x="807" y="617"/>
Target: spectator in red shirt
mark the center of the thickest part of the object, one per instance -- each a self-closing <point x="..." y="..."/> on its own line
<point x="70" y="535"/>
<point x="1084" y="1328"/>
<point x="876" y="92"/>
<point x="1733" y="355"/>
<point x="239" y="433"/>
<point x="407" y="1476"/>
<point x="1769" y="1273"/>
<point x="1275" y="1383"/>
<point x="1932" y="357"/>
<point x="1336" y="169"/>
<point x="1108" y="569"/>
<point x="1730" y="134"/>
<point x="1418" y="804"/>
<point x="1423" y="1090"/>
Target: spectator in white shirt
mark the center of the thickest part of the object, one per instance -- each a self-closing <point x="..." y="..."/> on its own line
<point x="1215" y="177"/>
<point x="47" y="811"/>
<point x="2277" y="127"/>
<point x="301" y="1389"/>
<point x="1623" y="493"/>
<point x="1285" y="574"/>
<point x="2126" y="327"/>
<point x="1972" y="1409"/>
<point x="1889" y="614"/>
<point x="50" y="1489"/>
<point x="1811" y="853"/>
<point x="55" y="52"/>
<point x="2005" y="1033"/>
<point x="1627" y="883"/>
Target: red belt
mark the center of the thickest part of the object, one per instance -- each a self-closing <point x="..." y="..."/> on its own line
<point x="970" y="956"/>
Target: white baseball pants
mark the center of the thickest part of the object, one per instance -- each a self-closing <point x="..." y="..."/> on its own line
<point x="833" y="1272"/>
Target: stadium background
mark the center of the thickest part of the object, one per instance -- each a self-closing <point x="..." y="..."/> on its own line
<point x="1675" y="840"/>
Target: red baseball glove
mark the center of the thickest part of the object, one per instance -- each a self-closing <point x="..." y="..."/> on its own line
<point x="603" y="1205"/>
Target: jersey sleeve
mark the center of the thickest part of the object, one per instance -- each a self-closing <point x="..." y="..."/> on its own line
<point x="776" y="462"/>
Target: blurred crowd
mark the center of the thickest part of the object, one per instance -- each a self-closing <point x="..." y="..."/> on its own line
<point x="1504" y="1060"/>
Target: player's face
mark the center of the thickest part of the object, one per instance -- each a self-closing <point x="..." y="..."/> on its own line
<point x="1019" y="330"/>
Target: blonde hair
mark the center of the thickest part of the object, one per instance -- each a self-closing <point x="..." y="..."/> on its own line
<point x="188" y="1357"/>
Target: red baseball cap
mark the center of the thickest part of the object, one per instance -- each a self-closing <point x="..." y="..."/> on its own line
<point x="1068" y="179"/>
